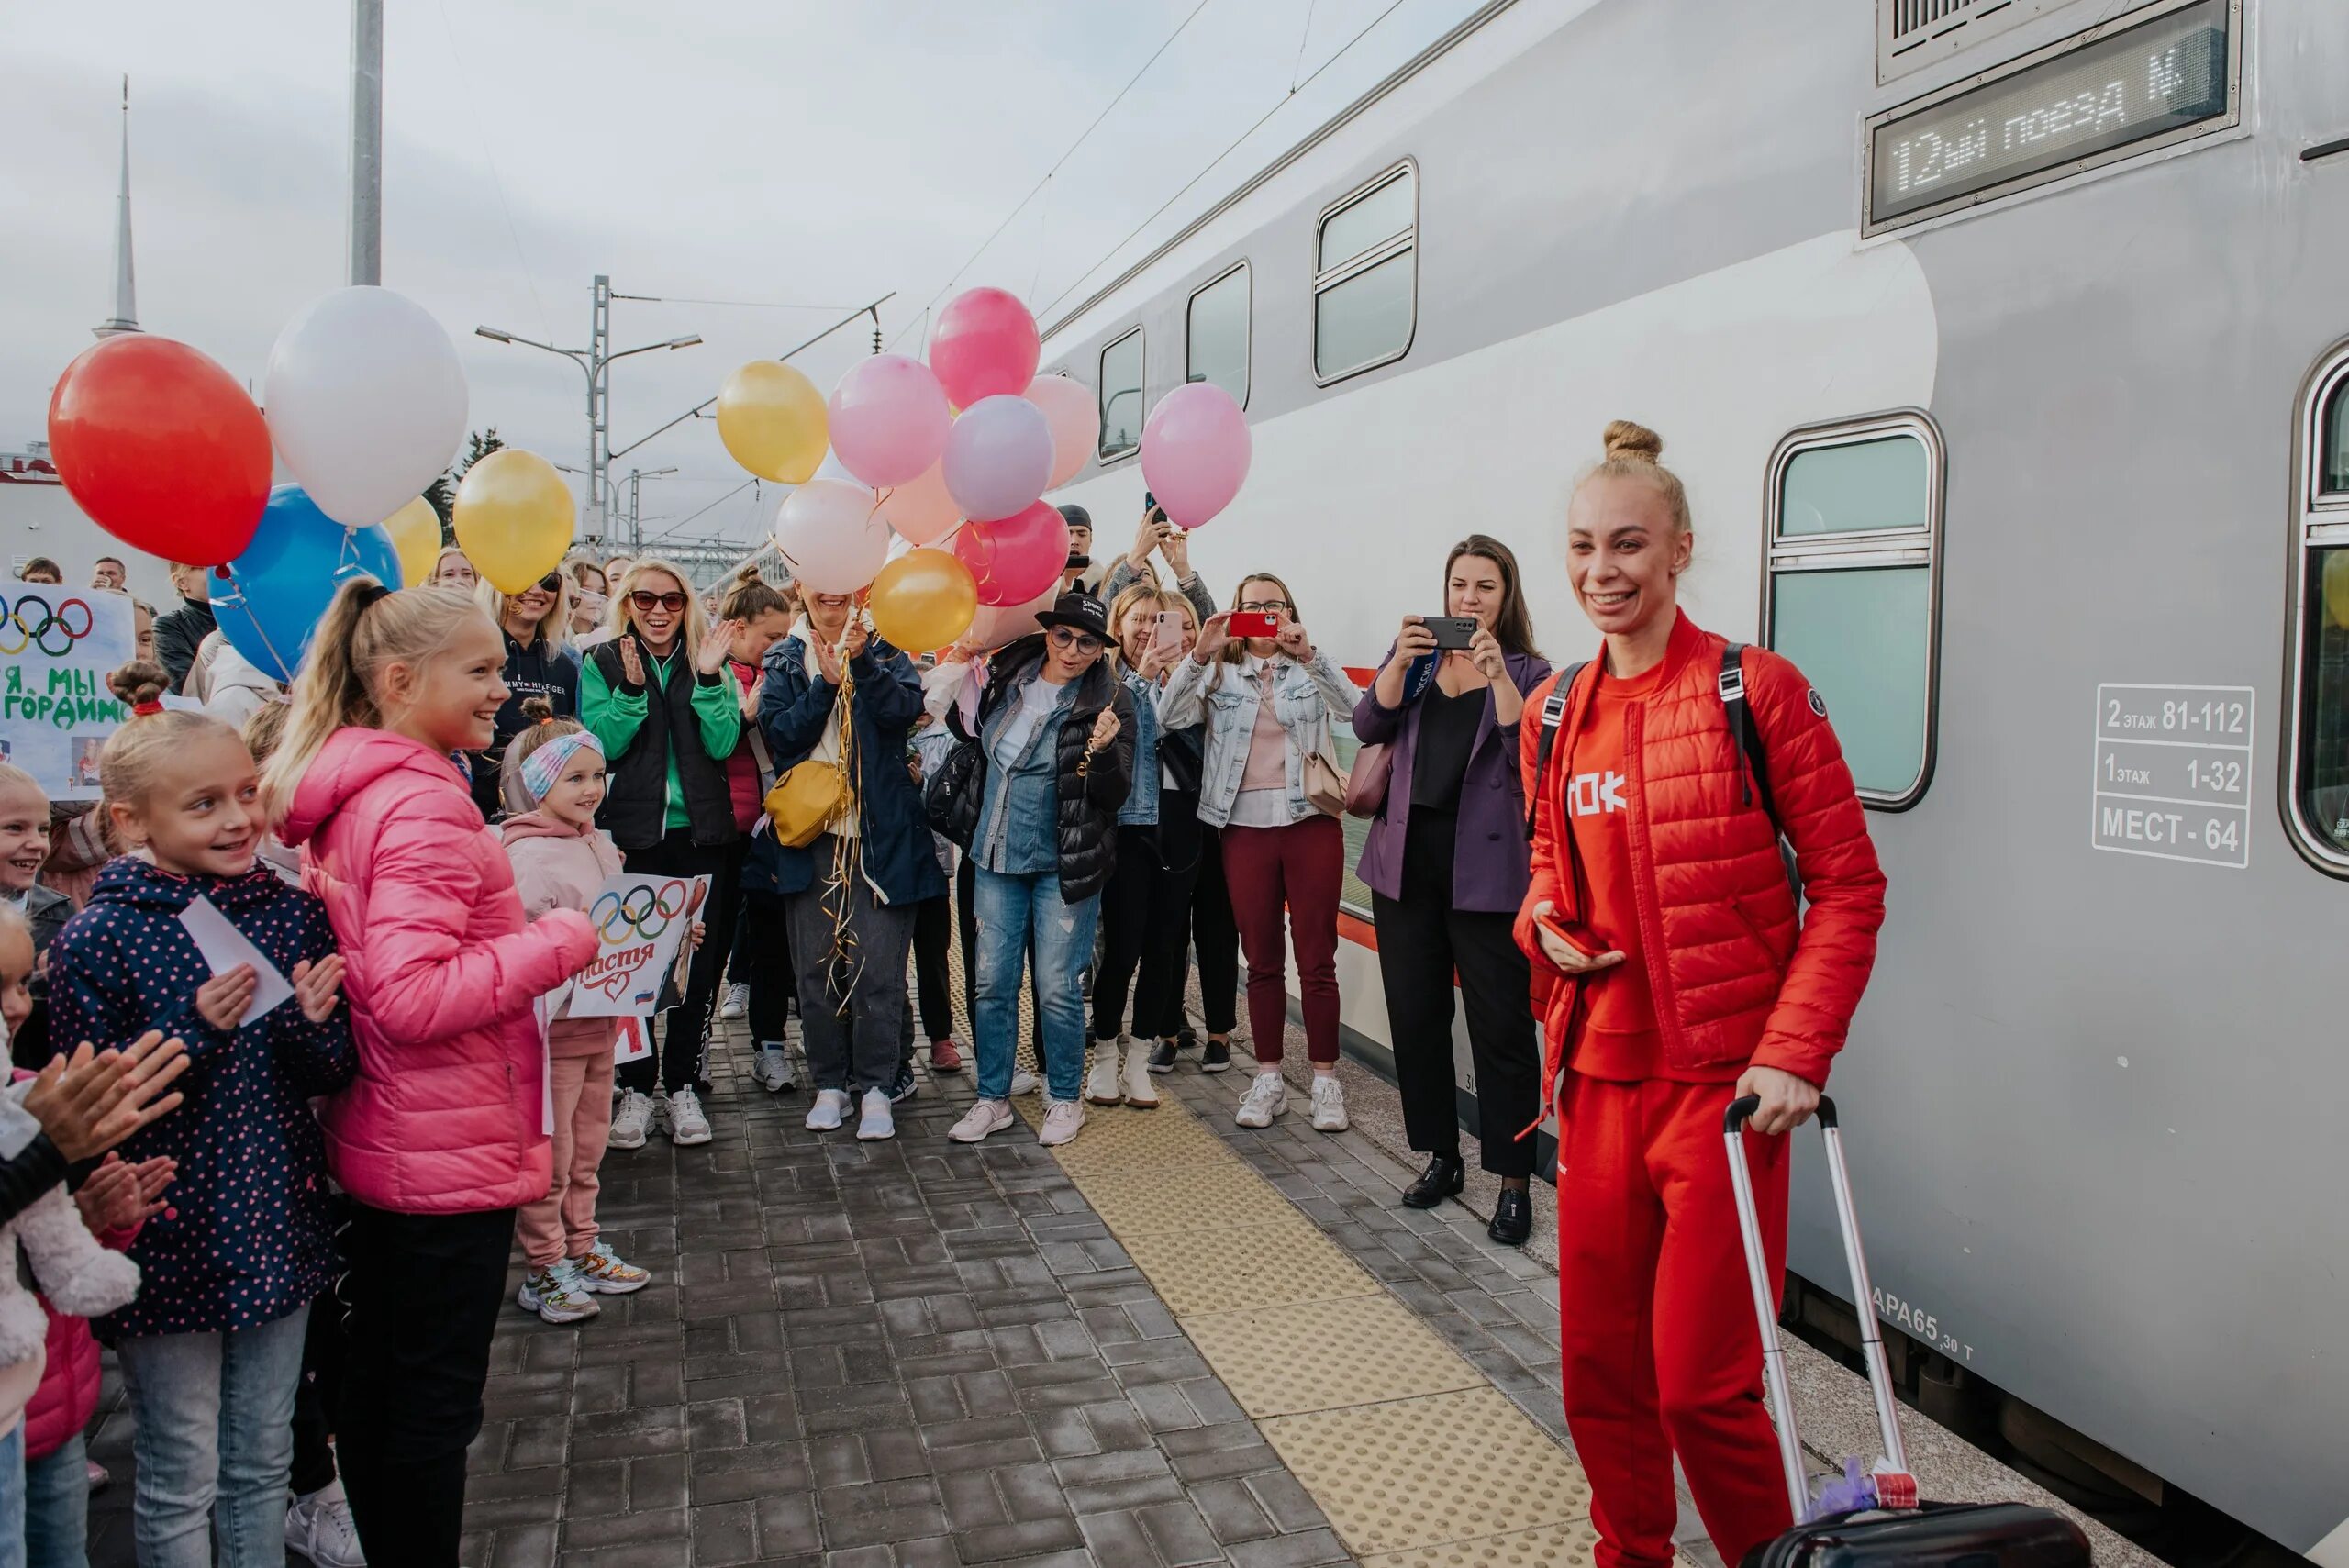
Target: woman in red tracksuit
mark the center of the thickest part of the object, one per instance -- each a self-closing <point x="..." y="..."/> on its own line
<point x="1673" y="974"/>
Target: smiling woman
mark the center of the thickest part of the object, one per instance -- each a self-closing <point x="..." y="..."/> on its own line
<point x="535" y="624"/>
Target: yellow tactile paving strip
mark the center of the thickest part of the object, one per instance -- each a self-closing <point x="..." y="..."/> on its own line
<point x="1416" y="1459"/>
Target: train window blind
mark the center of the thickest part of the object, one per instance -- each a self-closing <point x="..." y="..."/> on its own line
<point x="1216" y="334"/>
<point x="1366" y="276"/>
<point x="2316" y="756"/>
<point x="1121" y="409"/>
<point x="1851" y="590"/>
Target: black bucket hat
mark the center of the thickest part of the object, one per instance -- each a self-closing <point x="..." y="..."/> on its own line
<point x="1080" y="612"/>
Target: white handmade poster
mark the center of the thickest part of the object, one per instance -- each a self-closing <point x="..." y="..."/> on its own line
<point x="641" y="924"/>
<point x="56" y="647"/>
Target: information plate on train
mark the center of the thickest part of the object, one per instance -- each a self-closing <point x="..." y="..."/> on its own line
<point x="2098" y="97"/>
<point x="2172" y="772"/>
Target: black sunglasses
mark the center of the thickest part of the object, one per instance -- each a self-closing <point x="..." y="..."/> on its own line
<point x="551" y="582"/>
<point x="644" y="600"/>
<point x="1084" y="641"/>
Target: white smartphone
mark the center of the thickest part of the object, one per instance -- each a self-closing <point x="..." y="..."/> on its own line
<point x="1168" y="638"/>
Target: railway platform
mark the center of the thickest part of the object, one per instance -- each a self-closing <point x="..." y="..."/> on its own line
<point x="1175" y="1341"/>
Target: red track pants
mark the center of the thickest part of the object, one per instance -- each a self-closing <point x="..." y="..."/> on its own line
<point x="1660" y="1352"/>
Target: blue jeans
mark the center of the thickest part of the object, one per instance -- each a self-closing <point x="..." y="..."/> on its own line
<point x="213" y="1441"/>
<point x="12" y="1499"/>
<point x="57" y="1508"/>
<point x="1020" y="917"/>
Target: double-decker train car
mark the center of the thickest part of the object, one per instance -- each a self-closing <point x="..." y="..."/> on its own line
<point x="2004" y="345"/>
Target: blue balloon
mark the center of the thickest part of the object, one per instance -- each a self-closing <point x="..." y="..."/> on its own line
<point x="278" y="590"/>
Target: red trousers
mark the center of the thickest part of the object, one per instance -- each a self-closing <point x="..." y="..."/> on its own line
<point x="1660" y="1352"/>
<point x="1302" y="866"/>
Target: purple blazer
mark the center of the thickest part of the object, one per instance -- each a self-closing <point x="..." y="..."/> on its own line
<point x="1491" y="862"/>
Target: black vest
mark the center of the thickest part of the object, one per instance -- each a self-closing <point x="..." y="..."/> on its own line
<point x="636" y="806"/>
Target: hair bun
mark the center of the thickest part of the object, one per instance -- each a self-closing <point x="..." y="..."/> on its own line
<point x="138" y="682"/>
<point x="536" y="710"/>
<point x="1636" y="442"/>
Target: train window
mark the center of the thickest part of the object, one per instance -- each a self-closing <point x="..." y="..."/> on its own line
<point x="2317" y="749"/>
<point x="1850" y="592"/>
<point x="1366" y="275"/>
<point x="1121" y="409"/>
<point x="1216" y="349"/>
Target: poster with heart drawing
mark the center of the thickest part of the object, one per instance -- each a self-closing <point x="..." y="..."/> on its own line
<point x="641" y="923"/>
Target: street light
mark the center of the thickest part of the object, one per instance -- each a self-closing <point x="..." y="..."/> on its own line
<point x="594" y="361"/>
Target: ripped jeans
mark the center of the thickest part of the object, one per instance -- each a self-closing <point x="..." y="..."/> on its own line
<point x="1020" y="917"/>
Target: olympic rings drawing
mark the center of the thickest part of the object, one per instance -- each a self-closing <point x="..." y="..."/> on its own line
<point x="614" y="910"/>
<point x="52" y="621"/>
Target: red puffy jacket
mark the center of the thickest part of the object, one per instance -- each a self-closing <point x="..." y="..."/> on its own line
<point x="1736" y="978"/>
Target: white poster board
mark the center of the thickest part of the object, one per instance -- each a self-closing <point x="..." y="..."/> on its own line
<point x="56" y="647"/>
<point x="640" y="925"/>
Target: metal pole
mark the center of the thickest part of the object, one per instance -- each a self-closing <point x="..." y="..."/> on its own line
<point x="366" y="142"/>
<point x="599" y="340"/>
<point x="635" y="524"/>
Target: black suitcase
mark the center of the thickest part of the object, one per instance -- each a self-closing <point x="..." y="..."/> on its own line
<point x="1892" y="1527"/>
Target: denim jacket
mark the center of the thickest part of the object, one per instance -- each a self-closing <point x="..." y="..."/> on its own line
<point x="1140" y="809"/>
<point x="1305" y="695"/>
<point x="1017" y="813"/>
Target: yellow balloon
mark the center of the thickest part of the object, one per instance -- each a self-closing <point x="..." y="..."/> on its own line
<point x="772" y="420"/>
<point x="513" y="517"/>
<point x="2336" y="587"/>
<point x="923" y="600"/>
<point x="415" y="532"/>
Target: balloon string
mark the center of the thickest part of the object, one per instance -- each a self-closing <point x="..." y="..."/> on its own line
<point x="237" y="600"/>
<point x="847" y="859"/>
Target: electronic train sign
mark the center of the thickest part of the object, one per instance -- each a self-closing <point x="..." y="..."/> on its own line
<point x="2114" y="92"/>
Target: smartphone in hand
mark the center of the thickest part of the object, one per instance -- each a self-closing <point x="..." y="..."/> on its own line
<point x="1450" y="632"/>
<point x="1574" y="937"/>
<point x="1167" y="633"/>
<point x="1253" y="623"/>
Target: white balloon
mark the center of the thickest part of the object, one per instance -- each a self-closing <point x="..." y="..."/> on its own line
<point x="832" y="536"/>
<point x="365" y="401"/>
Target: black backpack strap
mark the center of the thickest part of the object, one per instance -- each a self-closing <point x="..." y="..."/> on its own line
<point x="1740" y="723"/>
<point x="1554" y="714"/>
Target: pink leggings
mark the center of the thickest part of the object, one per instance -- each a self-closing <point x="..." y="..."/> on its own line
<point x="562" y="1224"/>
<point x="1300" y="865"/>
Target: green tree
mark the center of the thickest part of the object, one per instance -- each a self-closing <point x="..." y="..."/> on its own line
<point x="442" y="492"/>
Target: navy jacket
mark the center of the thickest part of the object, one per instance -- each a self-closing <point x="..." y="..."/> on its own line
<point x="246" y="1238"/>
<point x="885" y="704"/>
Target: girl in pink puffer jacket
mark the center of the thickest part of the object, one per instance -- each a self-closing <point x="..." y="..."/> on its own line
<point x="444" y="1135"/>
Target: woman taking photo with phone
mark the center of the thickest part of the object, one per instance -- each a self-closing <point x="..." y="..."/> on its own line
<point x="658" y="696"/>
<point x="1676" y="975"/>
<point x="1445" y="862"/>
<point x="1268" y="785"/>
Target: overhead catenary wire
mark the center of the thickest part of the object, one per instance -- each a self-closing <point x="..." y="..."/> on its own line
<point x="1210" y="166"/>
<point x="1082" y="137"/>
<point x="734" y="304"/>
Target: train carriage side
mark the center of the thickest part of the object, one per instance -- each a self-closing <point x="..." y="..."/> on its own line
<point x="2090" y="1092"/>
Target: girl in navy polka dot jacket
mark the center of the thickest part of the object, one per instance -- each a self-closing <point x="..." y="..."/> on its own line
<point x="212" y="1348"/>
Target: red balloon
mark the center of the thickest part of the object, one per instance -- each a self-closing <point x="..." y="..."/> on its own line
<point x="161" y="447"/>
<point x="985" y="345"/>
<point x="1015" y="559"/>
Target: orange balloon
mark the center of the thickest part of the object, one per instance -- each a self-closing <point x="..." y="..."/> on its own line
<point x="924" y="599"/>
<point x="920" y="509"/>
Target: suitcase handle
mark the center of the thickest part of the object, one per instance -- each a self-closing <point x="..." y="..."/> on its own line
<point x="1766" y="1298"/>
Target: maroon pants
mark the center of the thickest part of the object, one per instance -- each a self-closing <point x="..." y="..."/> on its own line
<point x="1300" y="865"/>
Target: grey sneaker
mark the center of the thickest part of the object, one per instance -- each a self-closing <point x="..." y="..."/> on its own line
<point x="1063" y="1120"/>
<point x="318" y="1527"/>
<point x="631" y="1120"/>
<point x="985" y="1117"/>
<point x="687" y="1125"/>
<point x="770" y="1066"/>
<point x="1024" y="1081"/>
<point x="829" y="1111"/>
<point x="874" y="1122"/>
<point x="738" y="1001"/>
<point x="1266" y="1098"/>
<point x="1328" y="1103"/>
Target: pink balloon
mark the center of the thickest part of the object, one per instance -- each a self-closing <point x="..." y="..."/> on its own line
<point x="1018" y="558"/>
<point x="998" y="458"/>
<point x="1075" y="416"/>
<point x="831" y="536"/>
<point x="995" y="625"/>
<point x="1195" y="450"/>
<point x="888" y="419"/>
<point x="920" y="509"/>
<point x="985" y="345"/>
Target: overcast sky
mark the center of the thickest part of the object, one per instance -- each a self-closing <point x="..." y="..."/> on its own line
<point x="794" y="153"/>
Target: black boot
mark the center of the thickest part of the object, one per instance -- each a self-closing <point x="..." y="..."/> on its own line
<point x="1512" y="1217"/>
<point x="1441" y="1180"/>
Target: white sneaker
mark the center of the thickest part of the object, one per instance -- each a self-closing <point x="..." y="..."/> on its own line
<point x="1024" y="1081"/>
<point x="985" y="1117"/>
<point x="1062" y="1118"/>
<point x="1141" y="1093"/>
<point x="318" y="1527"/>
<point x="686" y="1123"/>
<point x="829" y="1109"/>
<point x="1328" y="1103"/>
<point x="770" y="1066"/>
<point x="556" y="1295"/>
<point x="874" y="1122"/>
<point x="1101" y="1084"/>
<point x="738" y="1001"/>
<point x="1266" y="1098"/>
<point x="631" y="1120"/>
